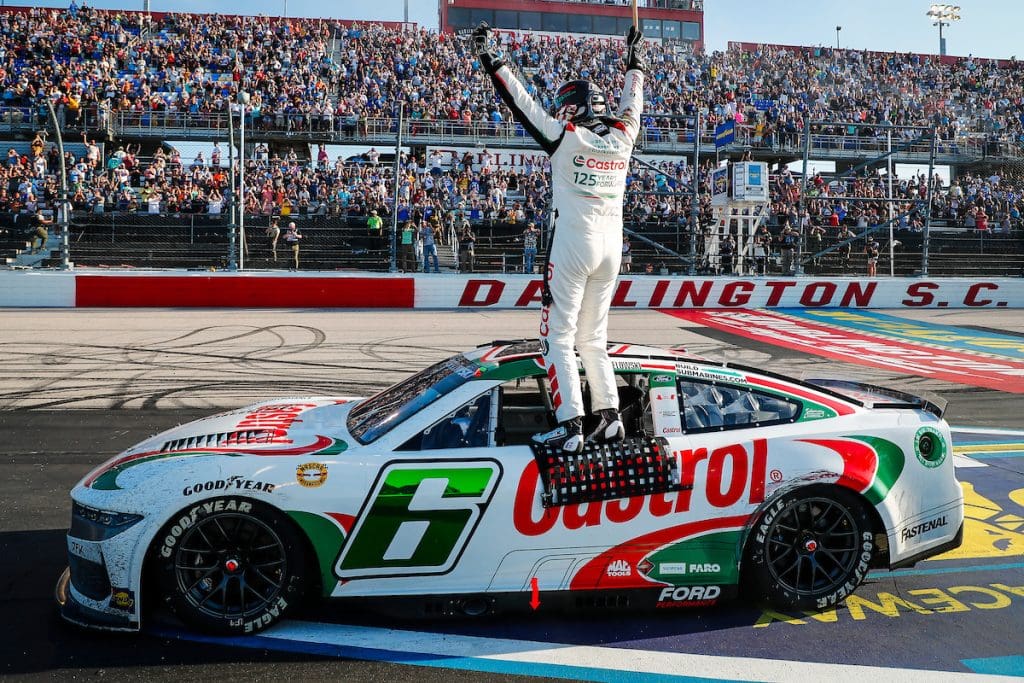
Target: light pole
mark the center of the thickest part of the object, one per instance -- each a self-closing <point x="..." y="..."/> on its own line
<point x="63" y="214"/>
<point x="243" y="101"/>
<point x="943" y="15"/>
<point x="838" y="29"/>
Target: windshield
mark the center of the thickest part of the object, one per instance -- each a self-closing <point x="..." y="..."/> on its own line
<point x="379" y="414"/>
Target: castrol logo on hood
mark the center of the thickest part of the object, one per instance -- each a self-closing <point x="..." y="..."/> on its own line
<point x="581" y="161"/>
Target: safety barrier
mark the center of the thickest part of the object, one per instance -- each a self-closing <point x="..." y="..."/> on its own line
<point x="84" y="289"/>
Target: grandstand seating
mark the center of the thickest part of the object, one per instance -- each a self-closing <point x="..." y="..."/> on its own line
<point x="137" y="81"/>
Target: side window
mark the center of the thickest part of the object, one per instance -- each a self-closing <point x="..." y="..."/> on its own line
<point x="525" y="410"/>
<point x="467" y="427"/>
<point x="717" y="407"/>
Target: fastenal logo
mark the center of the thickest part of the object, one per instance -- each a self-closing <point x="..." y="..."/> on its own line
<point x="311" y="474"/>
<point x="923" y="528"/>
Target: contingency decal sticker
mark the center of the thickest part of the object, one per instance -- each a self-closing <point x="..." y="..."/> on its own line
<point x="104" y="478"/>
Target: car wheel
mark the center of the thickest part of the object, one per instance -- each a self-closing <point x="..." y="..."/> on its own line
<point x="230" y="565"/>
<point x="809" y="550"/>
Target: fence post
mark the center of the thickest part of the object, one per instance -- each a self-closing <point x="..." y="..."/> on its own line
<point x="928" y="211"/>
<point x="63" y="215"/>
<point x="393" y="263"/>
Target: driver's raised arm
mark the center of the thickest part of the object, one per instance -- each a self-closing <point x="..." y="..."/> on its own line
<point x="541" y="126"/>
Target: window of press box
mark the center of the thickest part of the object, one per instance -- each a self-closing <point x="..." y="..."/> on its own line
<point x="507" y="19"/>
<point x="669" y="29"/>
<point x="691" y="30"/>
<point x="651" y="28"/>
<point x="459" y="17"/>
<point x="529" y="21"/>
<point x="605" y="25"/>
<point x="623" y="25"/>
<point x="716" y="407"/>
<point x="553" y="21"/>
<point x="478" y="15"/>
<point x="580" y="23"/>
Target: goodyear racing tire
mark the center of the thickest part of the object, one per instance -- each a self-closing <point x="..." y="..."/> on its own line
<point x="809" y="550"/>
<point x="230" y="565"/>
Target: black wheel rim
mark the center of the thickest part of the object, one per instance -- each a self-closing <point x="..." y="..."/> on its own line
<point x="811" y="546"/>
<point x="230" y="566"/>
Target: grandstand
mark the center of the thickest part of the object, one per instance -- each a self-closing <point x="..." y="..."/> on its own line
<point x="127" y="87"/>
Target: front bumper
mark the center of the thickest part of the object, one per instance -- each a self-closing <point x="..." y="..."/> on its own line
<point x="77" y="612"/>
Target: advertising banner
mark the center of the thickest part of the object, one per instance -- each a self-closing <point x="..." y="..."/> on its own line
<point x="649" y="291"/>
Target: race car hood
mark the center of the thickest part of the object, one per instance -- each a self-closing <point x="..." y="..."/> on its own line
<point x="282" y="427"/>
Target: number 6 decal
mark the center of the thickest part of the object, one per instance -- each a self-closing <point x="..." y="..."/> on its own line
<point x="418" y="518"/>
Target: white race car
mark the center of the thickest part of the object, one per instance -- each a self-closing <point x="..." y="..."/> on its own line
<point x="429" y="499"/>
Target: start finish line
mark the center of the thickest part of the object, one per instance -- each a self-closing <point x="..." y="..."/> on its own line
<point x="324" y="289"/>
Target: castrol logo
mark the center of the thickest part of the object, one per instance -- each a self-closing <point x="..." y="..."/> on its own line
<point x="736" y="475"/>
<point x="593" y="164"/>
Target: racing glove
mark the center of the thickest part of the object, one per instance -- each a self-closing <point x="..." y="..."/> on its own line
<point x="482" y="47"/>
<point x="636" y="52"/>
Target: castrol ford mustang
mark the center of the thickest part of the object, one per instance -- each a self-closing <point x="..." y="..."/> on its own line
<point x="429" y="499"/>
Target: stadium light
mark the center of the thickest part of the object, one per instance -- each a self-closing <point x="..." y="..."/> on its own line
<point x="942" y="16"/>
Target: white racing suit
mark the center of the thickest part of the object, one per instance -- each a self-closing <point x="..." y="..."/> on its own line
<point x="588" y="179"/>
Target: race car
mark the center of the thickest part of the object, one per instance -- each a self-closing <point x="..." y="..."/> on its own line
<point x="429" y="498"/>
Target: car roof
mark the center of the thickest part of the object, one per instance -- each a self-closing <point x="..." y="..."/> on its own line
<point x="502" y="351"/>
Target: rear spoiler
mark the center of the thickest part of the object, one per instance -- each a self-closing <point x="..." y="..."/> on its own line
<point x="872" y="396"/>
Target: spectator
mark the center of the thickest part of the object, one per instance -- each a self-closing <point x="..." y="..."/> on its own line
<point x="872" y="252"/>
<point x="530" y="237"/>
<point x="407" y="253"/>
<point x="787" y="249"/>
<point x="626" y="265"/>
<point x="374" y="224"/>
<point x="273" y="233"/>
<point x="40" y="234"/>
<point x="427" y="236"/>
<point x="467" y="250"/>
<point x="727" y="254"/>
<point x="291" y="238"/>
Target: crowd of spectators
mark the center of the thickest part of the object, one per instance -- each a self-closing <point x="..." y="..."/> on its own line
<point x="331" y="76"/>
<point x="305" y="74"/>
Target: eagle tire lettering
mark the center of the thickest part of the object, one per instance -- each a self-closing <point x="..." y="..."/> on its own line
<point x="205" y="552"/>
<point x="777" y="553"/>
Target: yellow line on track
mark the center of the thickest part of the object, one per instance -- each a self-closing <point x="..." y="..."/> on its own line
<point x="989" y="448"/>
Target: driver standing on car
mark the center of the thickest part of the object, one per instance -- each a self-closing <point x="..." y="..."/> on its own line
<point x="590" y="154"/>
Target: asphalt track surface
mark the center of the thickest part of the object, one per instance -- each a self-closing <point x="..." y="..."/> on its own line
<point x="77" y="386"/>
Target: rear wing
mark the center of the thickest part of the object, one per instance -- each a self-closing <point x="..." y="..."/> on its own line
<point x="872" y="396"/>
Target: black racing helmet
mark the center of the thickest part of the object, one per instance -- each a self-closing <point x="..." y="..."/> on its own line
<point x="577" y="101"/>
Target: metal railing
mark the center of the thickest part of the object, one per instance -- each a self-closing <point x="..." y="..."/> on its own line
<point x="121" y="239"/>
<point x="660" y="137"/>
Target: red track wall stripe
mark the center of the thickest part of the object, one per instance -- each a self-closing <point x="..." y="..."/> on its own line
<point x="243" y="292"/>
